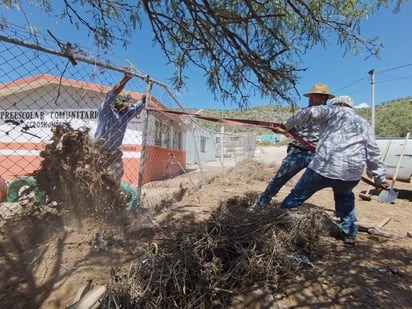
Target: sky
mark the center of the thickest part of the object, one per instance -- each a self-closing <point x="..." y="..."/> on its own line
<point x="345" y="75"/>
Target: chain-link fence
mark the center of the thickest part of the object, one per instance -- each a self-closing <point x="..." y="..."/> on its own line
<point x="45" y="82"/>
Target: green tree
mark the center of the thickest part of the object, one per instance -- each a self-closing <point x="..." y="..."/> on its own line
<point x="245" y="47"/>
<point x="393" y="118"/>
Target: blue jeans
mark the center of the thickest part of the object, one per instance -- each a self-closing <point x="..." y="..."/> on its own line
<point x="295" y="161"/>
<point x="311" y="182"/>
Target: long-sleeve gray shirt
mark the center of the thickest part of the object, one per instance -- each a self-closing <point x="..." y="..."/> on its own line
<point x="346" y="143"/>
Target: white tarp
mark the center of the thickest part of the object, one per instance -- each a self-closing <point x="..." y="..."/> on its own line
<point x="393" y="157"/>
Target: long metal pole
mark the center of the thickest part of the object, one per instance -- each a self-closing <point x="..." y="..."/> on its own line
<point x="145" y="125"/>
<point x="372" y="74"/>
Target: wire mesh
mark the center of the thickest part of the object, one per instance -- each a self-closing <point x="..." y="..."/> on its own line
<point x="45" y="82"/>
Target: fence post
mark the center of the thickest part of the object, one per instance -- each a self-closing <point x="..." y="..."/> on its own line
<point x="144" y="141"/>
<point x="197" y="153"/>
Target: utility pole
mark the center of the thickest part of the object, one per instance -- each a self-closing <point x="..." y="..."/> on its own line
<point x="372" y="75"/>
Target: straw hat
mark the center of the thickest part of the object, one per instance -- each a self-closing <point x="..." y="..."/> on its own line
<point x="320" y="89"/>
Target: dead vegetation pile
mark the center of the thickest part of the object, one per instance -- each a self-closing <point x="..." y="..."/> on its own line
<point x="73" y="173"/>
<point x="208" y="265"/>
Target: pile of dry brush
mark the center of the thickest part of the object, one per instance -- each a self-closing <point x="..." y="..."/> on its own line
<point x="208" y="265"/>
<point x="73" y="173"/>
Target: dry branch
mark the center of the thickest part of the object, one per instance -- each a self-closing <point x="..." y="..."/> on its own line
<point x="205" y="266"/>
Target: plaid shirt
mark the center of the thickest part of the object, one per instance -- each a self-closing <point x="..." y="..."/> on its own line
<point x="309" y="132"/>
<point x="346" y="143"/>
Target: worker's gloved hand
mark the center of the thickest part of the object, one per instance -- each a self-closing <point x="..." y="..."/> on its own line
<point x="386" y="184"/>
<point x="280" y="130"/>
<point x="128" y="75"/>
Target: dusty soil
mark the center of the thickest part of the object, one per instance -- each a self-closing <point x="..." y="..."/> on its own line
<point x="45" y="258"/>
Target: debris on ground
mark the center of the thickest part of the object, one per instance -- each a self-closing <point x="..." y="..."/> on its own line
<point x="73" y="173"/>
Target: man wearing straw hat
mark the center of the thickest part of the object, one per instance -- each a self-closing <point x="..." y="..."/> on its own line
<point x="114" y="113"/>
<point x="347" y="143"/>
<point x="298" y="155"/>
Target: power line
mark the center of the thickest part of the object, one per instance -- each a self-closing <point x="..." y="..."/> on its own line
<point x="351" y="84"/>
<point x="395" y="68"/>
<point x="380" y="72"/>
<point x="392" y="78"/>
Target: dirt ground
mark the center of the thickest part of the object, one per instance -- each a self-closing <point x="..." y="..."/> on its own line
<point x="45" y="261"/>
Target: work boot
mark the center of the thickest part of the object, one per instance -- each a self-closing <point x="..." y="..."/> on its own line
<point x="261" y="202"/>
<point x="349" y="240"/>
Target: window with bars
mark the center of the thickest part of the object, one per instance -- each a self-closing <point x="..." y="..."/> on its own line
<point x="177" y="139"/>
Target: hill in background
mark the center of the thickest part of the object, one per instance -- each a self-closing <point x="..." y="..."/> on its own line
<point x="392" y="118"/>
